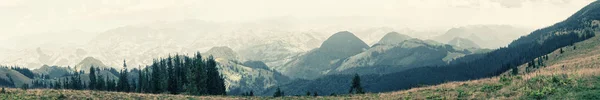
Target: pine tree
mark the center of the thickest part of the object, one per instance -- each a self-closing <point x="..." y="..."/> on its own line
<point x="92" y="78"/>
<point x="123" y="85"/>
<point x="155" y="78"/>
<point x="172" y="79"/>
<point x="216" y="84"/>
<point x="356" y="88"/>
<point x="278" y="93"/>
<point x="308" y="93"/>
<point x="561" y="51"/>
<point x="515" y="70"/>
<point x="315" y="94"/>
<point x="101" y="85"/>
<point x="141" y="80"/>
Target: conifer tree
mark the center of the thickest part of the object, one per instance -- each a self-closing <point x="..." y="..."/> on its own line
<point x="123" y="85"/>
<point x="92" y="78"/>
<point x="141" y="80"/>
<point x="356" y="88"/>
<point x="101" y="85"/>
<point x="172" y="79"/>
<point x="278" y="93"/>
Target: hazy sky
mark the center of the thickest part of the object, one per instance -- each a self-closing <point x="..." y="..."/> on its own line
<point x="21" y="17"/>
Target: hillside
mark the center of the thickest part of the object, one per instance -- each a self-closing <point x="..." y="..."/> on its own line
<point x="573" y="74"/>
<point x="12" y="78"/>
<point x="469" y="67"/>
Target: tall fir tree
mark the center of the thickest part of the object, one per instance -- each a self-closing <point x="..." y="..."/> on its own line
<point x="171" y="78"/>
<point x="355" y="88"/>
<point x="215" y="81"/>
<point x="141" y="80"/>
<point x="92" y="76"/>
<point x="123" y="85"/>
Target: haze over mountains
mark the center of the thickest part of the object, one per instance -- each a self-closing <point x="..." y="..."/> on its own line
<point x="302" y="54"/>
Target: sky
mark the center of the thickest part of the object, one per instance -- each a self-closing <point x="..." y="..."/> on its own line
<point x="23" y="17"/>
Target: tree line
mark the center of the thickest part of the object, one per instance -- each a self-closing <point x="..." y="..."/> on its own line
<point x="177" y="74"/>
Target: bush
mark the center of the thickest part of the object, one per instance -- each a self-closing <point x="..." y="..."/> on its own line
<point x="3" y="91"/>
<point x="62" y="96"/>
<point x="491" y="88"/>
<point x="25" y="86"/>
<point x="505" y="79"/>
<point x="540" y="87"/>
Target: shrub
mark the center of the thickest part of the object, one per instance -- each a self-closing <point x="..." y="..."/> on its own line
<point x="491" y="88"/>
<point x="505" y="79"/>
<point x="25" y="86"/>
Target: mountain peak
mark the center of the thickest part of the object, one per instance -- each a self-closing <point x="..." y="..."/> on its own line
<point x="221" y="52"/>
<point x="393" y="38"/>
<point x="343" y="44"/>
<point x="343" y="38"/>
<point x="88" y="62"/>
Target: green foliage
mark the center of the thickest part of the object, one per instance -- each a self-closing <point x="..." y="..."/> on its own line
<point x="515" y="71"/>
<point x="489" y="88"/>
<point x="25" y="86"/>
<point x="541" y="87"/>
<point x="505" y="79"/>
<point x="356" y="88"/>
<point x="461" y="94"/>
<point x="62" y="96"/>
<point x="123" y="82"/>
<point x="3" y="91"/>
<point x="278" y="93"/>
<point x="93" y="80"/>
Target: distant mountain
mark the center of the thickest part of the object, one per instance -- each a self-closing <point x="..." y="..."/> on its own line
<point x="88" y="62"/>
<point x="396" y="53"/>
<point x="486" y="36"/>
<point x="274" y="54"/>
<point x="393" y="38"/>
<point x="319" y="61"/>
<point x="222" y="52"/>
<point x="463" y="43"/>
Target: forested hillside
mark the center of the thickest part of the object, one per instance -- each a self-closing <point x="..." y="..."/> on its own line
<point x="580" y="26"/>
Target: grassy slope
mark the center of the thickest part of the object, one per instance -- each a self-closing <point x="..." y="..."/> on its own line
<point x="574" y="74"/>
